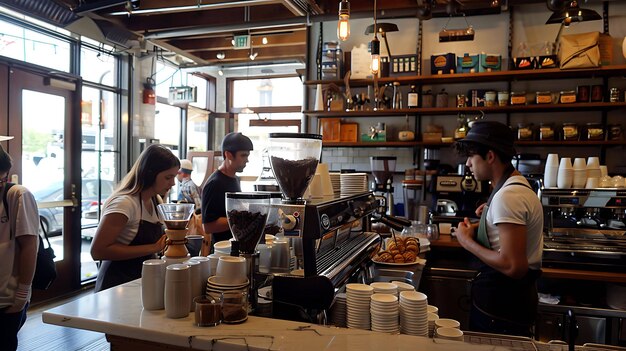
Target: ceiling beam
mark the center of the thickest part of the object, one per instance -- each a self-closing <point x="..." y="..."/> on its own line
<point x="224" y="43"/>
<point x="264" y="54"/>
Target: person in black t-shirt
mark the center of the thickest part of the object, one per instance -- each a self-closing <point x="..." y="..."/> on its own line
<point x="235" y="149"/>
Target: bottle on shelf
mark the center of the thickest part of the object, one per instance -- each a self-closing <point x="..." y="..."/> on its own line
<point x="397" y="96"/>
<point x="412" y="98"/>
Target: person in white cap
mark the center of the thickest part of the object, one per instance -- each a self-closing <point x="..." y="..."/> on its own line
<point x="19" y="230"/>
<point x="188" y="190"/>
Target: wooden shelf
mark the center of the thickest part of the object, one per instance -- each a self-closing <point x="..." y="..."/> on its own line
<point x="433" y="111"/>
<point x="571" y="143"/>
<point x="499" y="76"/>
<point x="371" y="144"/>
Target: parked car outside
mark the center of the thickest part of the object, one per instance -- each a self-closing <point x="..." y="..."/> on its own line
<point x="52" y="218"/>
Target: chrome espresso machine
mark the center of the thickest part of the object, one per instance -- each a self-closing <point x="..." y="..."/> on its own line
<point x="585" y="229"/>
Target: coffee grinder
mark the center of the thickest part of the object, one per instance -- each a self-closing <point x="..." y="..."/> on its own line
<point x="176" y="218"/>
<point x="247" y="216"/>
<point x="382" y="169"/>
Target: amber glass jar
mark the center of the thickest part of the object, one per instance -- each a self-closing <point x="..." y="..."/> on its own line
<point x="546" y="131"/>
<point x="543" y="97"/>
<point x="518" y="98"/>
<point x="567" y="97"/>
<point x="524" y="132"/>
<point x="570" y="131"/>
<point x="595" y="131"/>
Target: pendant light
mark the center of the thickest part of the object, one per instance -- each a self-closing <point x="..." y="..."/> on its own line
<point x="343" y="26"/>
<point x="375" y="48"/>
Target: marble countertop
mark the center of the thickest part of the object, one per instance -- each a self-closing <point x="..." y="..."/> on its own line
<point x="118" y="311"/>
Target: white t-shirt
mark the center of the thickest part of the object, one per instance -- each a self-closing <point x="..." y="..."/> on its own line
<point x="130" y="206"/>
<point x="24" y="219"/>
<point x="518" y="204"/>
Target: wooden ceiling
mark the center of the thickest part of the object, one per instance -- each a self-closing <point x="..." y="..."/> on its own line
<point x="202" y="30"/>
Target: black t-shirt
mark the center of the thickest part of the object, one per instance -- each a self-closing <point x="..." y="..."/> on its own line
<point x="214" y="200"/>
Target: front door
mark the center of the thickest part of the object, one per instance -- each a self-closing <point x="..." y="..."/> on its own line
<point x="45" y="119"/>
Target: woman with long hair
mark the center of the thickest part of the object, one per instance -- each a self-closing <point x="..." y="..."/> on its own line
<point x="130" y="231"/>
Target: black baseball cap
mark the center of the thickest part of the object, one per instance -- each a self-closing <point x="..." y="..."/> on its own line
<point x="495" y="135"/>
<point x="236" y="141"/>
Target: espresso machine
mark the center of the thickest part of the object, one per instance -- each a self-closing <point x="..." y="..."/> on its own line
<point x="585" y="228"/>
<point x="456" y="196"/>
<point x="382" y="169"/>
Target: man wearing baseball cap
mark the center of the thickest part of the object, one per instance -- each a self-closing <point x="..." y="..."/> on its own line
<point x="236" y="148"/>
<point x="509" y="237"/>
<point x="19" y="230"/>
<point x="188" y="190"/>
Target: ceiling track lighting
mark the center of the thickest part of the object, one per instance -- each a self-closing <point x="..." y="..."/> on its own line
<point x="343" y="26"/>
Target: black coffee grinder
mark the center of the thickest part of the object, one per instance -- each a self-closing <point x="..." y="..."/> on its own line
<point x="382" y="169"/>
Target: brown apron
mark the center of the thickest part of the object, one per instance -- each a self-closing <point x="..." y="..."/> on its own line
<point x="113" y="273"/>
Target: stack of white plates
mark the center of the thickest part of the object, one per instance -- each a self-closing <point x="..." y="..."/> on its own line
<point x="338" y="311"/>
<point x="353" y="183"/>
<point x="447" y="323"/>
<point x="335" y="180"/>
<point x="432" y="317"/>
<point x="413" y="313"/>
<point x="449" y="333"/>
<point x="214" y="284"/>
<point x="433" y="309"/>
<point x="385" y="288"/>
<point x="358" y="301"/>
<point x="403" y="286"/>
<point x="384" y="310"/>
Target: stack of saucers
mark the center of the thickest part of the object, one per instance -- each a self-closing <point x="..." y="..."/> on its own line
<point x="449" y="333"/>
<point x="353" y="183"/>
<point x="358" y="302"/>
<point x="432" y="317"/>
<point x="338" y="311"/>
<point x="433" y="309"/>
<point x="385" y="288"/>
<point x="335" y="180"/>
<point x="413" y="313"/>
<point x="402" y="286"/>
<point x="215" y="284"/>
<point x="384" y="310"/>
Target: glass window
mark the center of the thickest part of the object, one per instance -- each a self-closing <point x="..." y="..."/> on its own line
<point x="97" y="66"/>
<point x="33" y="47"/>
<point x="167" y="76"/>
<point x="197" y="129"/>
<point x="286" y="91"/>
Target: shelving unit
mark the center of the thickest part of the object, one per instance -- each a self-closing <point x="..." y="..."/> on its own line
<point x="509" y="77"/>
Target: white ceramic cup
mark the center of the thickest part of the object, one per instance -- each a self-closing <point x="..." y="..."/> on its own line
<point x="153" y="284"/>
<point x="580" y="178"/>
<point x="231" y="270"/>
<point x="197" y="285"/>
<point x="552" y="160"/>
<point x="214" y="258"/>
<point x="604" y="171"/>
<point x="205" y="267"/>
<point x="222" y="246"/>
<point x="566" y="163"/>
<point x="550" y="176"/>
<point x="593" y="162"/>
<point x="177" y="290"/>
<point x="592" y="183"/>
<point x="579" y="164"/>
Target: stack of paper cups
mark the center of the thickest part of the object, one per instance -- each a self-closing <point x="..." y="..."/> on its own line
<point x="565" y="177"/>
<point x="319" y="98"/>
<point x="551" y="171"/>
<point x="580" y="173"/>
<point x="593" y="173"/>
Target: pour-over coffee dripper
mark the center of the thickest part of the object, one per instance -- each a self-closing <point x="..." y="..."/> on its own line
<point x="176" y="218"/>
<point x="294" y="158"/>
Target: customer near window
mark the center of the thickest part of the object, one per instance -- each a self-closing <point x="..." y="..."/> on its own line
<point x="235" y="150"/>
<point x="508" y="239"/>
<point x="188" y="190"/>
<point x="19" y="230"/>
<point x="130" y="231"/>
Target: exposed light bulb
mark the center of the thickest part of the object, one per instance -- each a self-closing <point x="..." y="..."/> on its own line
<point x="343" y="26"/>
<point x="253" y="55"/>
<point x="375" y="52"/>
<point x="220" y="55"/>
<point x="264" y="40"/>
<point x="220" y="72"/>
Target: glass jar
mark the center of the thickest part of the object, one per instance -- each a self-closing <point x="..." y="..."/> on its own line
<point x="518" y="98"/>
<point x="546" y="132"/>
<point x="595" y="131"/>
<point x="567" y="97"/>
<point x="614" y="95"/>
<point x="570" y="131"/>
<point x="543" y="97"/>
<point x="524" y="132"/>
<point x="615" y="131"/>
